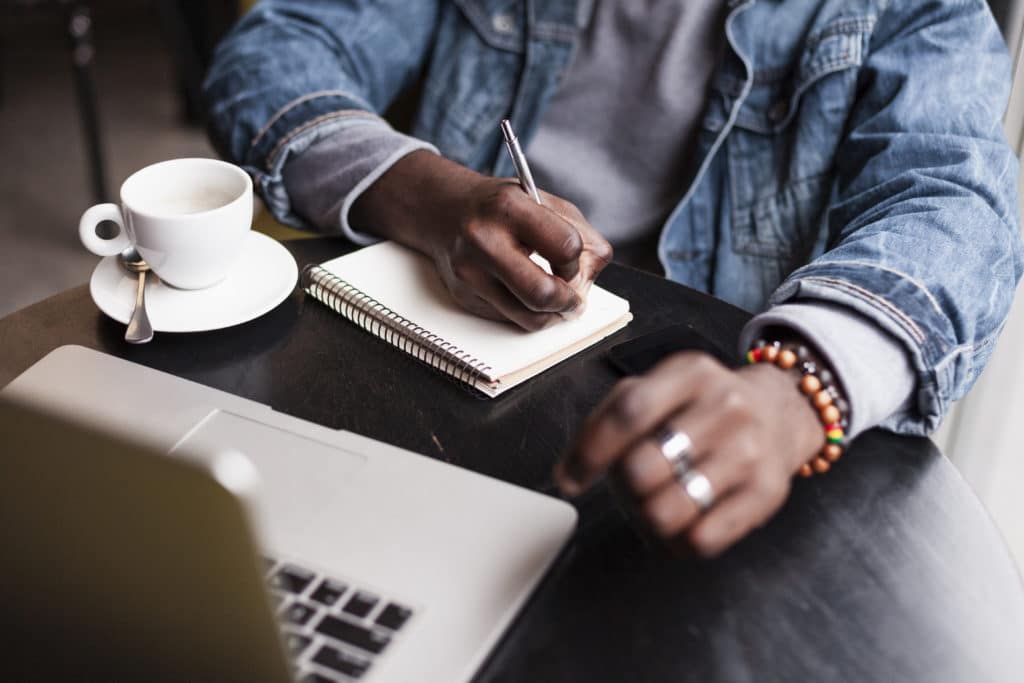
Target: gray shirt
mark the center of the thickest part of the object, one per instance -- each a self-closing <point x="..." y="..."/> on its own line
<point x="616" y="137"/>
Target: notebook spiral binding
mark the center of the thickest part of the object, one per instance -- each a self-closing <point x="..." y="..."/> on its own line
<point x="382" y="322"/>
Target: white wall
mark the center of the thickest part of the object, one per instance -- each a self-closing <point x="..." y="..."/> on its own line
<point x="982" y="435"/>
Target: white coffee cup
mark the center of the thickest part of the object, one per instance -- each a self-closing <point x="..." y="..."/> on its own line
<point x="187" y="218"/>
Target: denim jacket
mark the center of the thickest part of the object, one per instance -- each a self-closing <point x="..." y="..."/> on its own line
<point x="851" y="151"/>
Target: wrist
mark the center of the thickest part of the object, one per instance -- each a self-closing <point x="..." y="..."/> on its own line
<point x="819" y="387"/>
<point x="795" y="414"/>
<point x="414" y="201"/>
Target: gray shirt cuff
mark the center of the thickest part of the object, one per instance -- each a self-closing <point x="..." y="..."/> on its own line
<point x="326" y="179"/>
<point x="871" y="365"/>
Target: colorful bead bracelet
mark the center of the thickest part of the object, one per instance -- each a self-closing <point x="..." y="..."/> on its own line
<point x="819" y="386"/>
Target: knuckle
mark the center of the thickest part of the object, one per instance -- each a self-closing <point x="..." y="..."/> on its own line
<point x="572" y="245"/>
<point x="503" y="200"/>
<point x="476" y="232"/>
<point x="603" y="252"/>
<point x="735" y="403"/>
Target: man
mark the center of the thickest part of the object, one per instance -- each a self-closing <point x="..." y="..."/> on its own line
<point x="837" y="167"/>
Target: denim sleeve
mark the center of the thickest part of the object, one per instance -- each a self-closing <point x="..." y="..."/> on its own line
<point x="923" y="229"/>
<point x="294" y="71"/>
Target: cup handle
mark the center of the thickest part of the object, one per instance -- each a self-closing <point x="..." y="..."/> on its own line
<point x="93" y="242"/>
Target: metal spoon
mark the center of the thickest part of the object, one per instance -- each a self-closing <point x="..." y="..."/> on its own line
<point x="139" y="330"/>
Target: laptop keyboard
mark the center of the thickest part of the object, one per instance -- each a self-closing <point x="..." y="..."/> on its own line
<point x="332" y="629"/>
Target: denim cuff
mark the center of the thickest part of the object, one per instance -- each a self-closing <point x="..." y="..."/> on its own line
<point x="871" y="365"/>
<point x="324" y="181"/>
<point x="941" y="365"/>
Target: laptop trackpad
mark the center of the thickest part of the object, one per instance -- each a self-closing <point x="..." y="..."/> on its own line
<point x="299" y="476"/>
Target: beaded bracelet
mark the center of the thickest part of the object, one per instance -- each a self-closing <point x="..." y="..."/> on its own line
<point x="819" y="386"/>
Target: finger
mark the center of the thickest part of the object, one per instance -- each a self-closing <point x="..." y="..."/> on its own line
<point x="668" y="512"/>
<point x="711" y="427"/>
<point x="536" y="290"/>
<point x="507" y="306"/>
<point x="541" y="229"/>
<point x="731" y="519"/>
<point x="634" y="407"/>
<point x="597" y="251"/>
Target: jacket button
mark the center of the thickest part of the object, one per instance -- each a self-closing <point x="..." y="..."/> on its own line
<point x="778" y="112"/>
<point x="503" y="23"/>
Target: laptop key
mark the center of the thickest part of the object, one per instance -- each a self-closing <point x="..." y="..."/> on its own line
<point x="296" y="643"/>
<point x="353" y="634"/>
<point x="360" y="604"/>
<point x="298" y="613"/>
<point x="394" y="616"/>
<point x="291" y="578"/>
<point x="328" y="592"/>
<point x="346" y="663"/>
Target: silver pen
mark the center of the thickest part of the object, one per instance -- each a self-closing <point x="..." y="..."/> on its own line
<point x="519" y="161"/>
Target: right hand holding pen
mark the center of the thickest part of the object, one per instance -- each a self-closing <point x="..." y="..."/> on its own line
<point x="480" y="231"/>
<point x="485" y="258"/>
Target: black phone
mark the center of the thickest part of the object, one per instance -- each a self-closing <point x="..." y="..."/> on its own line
<point x="639" y="355"/>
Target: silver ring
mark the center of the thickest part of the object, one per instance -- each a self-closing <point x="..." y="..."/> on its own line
<point x="698" y="488"/>
<point x="676" y="447"/>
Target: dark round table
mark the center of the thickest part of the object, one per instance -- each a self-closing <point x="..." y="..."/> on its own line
<point x="888" y="568"/>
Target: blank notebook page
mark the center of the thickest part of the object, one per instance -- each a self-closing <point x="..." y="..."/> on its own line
<point x="407" y="283"/>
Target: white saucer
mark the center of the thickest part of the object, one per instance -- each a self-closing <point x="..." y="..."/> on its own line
<point x="264" y="276"/>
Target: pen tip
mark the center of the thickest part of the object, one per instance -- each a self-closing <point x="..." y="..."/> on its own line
<point x="506" y="128"/>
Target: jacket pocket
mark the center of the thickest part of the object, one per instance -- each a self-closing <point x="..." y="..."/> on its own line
<point x="782" y="148"/>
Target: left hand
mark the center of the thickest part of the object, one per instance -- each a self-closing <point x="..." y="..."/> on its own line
<point x="751" y="430"/>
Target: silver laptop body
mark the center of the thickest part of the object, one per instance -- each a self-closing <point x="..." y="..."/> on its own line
<point x="434" y="560"/>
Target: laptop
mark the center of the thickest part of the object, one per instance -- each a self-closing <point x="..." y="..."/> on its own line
<point x="183" y="533"/>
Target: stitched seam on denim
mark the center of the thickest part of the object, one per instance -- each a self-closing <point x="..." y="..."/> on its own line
<point x="554" y="30"/>
<point x="343" y="113"/>
<point x="848" y="27"/>
<point x="917" y="283"/>
<point x="908" y="323"/>
<point x="291" y="105"/>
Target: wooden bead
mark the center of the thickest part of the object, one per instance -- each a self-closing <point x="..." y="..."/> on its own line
<point x="786" y="359"/>
<point x="832" y="452"/>
<point x="805" y="470"/>
<point x="822" y="399"/>
<point x="820" y="465"/>
<point x="810" y="385"/>
<point x="829" y="414"/>
<point x="770" y="353"/>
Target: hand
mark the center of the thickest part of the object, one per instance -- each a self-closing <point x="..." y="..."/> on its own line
<point x="751" y="430"/>
<point x="480" y="232"/>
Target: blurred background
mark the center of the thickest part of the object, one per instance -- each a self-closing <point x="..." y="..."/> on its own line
<point x="92" y="91"/>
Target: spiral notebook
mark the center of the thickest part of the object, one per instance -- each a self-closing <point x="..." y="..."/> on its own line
<point x="395" y="293"/>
